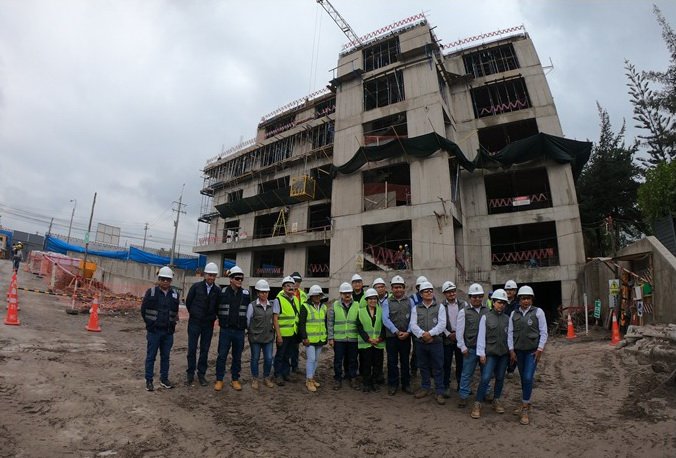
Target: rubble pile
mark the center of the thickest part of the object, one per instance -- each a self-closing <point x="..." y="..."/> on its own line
<point x="107" y="301"/>
<point x="654" y="345"/>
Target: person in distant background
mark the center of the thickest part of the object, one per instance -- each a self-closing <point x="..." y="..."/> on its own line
<point x="17" y="255"/>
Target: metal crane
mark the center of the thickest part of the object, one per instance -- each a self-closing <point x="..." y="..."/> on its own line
<point x="342" y="23"/>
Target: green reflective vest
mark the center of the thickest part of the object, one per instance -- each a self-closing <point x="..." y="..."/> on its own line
<point x="315" y="326"/>
<point x="373" y="330"/>
<point x="345" y="327"/>
<point x="288" y="316"/>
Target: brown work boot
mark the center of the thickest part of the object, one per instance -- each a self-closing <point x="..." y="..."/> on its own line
<point x="441" y="400"/>
<point x="254" y="384"/>
<point x="524" y="420"/>
<point x="310" y="386"/>
<point x="269" y="383"/>
<point x="315" y="383"/>
<point x="236" y="385"/>
<point x="476" y="410"/>
<point x="497" y="406"/>
<point x="421" y="393"/>
<point x="218" y="386"/>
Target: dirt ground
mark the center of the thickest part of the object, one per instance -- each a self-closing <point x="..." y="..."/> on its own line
<point x="68" y="392"/>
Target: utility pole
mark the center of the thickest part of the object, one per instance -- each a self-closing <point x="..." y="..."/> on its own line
<point x="49" y="231"/>
<point x="70" y="226"/>
<point x="178" y="215"/>
<point x="145" y="234"/>
<point x="89" y="228"/>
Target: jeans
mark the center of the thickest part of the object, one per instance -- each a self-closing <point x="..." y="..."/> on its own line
<point x="398" y="352"/>
<point x="371" y="365"/>
<point x="469" y="364"/>
<point x="230" y="337"/>
<point x="430" y="358"/>
<point x="255" y="357"/>
<point x="525" y="361"/>
<point x="344" y="357"/>
<point x="282" y="361"/>
<point x="451" y="350"/>
<point x="202" y="332"/>
<point x="495" y="365"/>
<point x="312" y="352"/>
<point x="162" y="341"/>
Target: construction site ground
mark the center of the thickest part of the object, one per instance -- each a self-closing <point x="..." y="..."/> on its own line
<point x="68" y="392"/>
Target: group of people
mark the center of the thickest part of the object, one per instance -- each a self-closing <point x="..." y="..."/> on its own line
<point x="418" y="332"/>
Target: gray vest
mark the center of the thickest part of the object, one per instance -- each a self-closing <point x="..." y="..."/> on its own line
<point x="472" y="319"/>
<point x="400" y="313"/>
<point x="261" y="328"/>
<point x="526" y="330"/>
<point x="496" y="333"/>
<point x="428" y="318"/>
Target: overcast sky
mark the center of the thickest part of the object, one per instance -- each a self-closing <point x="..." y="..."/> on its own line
<point x="130" y="98"/>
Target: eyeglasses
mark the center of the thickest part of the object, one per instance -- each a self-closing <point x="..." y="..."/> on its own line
<point x="238" y="278"/>
<point x="164" y="279"/>
<point x="426" y="291"/>
<point x="477" y="296"/>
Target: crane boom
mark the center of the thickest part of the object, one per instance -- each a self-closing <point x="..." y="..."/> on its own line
<point x="340" y="22"/>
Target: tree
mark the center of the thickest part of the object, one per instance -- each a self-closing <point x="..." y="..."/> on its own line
<point x="657" y="196"/>
<point x="607" y="192"/>
<point x="655" y="109"/>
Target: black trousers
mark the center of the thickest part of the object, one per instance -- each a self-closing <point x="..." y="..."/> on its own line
<point x="451" y="350"/>
<point x="371" y="365"/>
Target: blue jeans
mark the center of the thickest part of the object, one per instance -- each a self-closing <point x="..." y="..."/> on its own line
<point x="345" y="357"/>
<point x="267" y="358"/>
<point x="469" y="364"/>
<point x="202" y="332"/>
<point x="226" y="338"/>
<point x="162" y="341"/>
<point x="282" y="361"/>
<point x="398" y="352"/>
<point x="312" y="352"/>
<point x="430" y="358"/>
<point x="495" y="365"/>
<point x="525" y="361"/>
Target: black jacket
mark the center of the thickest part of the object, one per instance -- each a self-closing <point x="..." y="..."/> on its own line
<point x="160" y="310"/>
<point x="202" y="307"/>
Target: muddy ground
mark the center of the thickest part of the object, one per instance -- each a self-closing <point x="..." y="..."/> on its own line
<point x="68" y="392"/>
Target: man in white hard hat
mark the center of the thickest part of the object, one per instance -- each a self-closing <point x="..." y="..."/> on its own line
<point x="159" y="310"/>
<point x="526" y="339"/>
<point x="397" y="320"/>
<point x="232" y="307"/>
<point x="467" y="333"/>
<point x="342" y="335"/>
<point x="453" y="306"/>
<point x="414" y="300"/>
<point x="513" y="304"/>
<point x="201" y="302"/>
<point x="285" y="317"/>
<point x="358" y="290"/>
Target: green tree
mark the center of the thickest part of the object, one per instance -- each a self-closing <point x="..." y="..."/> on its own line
<point x="607" y="191"/>
<point x="657" y="196"/>
<point x="653" y="94"/>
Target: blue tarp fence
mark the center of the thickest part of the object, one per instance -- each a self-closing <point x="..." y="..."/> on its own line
<point x="132" y="254"/>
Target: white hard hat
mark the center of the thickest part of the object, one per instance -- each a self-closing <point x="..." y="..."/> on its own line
<point x="475" y="289"/>
<point x="511" y="284"/>
<point x="419" y="280"/>
<point x="357" y="277"/>
<point x="345" y="288"/>
<point x="211" y="268"/>
<point x="426" y="285"/>
<point x="235" y="271"/>
<point x="500" y="294"/>
<point x="166" y="272"/>
<point x="262" y="285"/>
<point x="379" y="281"/>
<point x="397" y="280"/>
<point x="448" y="286"/>
<point x="315" y="290"/>
<point x="371" y="293"/>
<point x="288" y="279"/>
<point x="525" y="291"/>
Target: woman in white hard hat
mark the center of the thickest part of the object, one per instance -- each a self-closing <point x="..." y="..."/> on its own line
<point x="261" y="332"/>
<point x="371" y="340"/>
<point x="312" y="332"/>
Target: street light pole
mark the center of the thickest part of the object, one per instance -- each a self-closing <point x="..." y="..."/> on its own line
<point x="70" y="226"/>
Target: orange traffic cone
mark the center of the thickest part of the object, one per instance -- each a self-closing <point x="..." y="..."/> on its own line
<point x="12" y="317"/>
<point x="615" y="339"/>
<point x="571" y="329"/>
<point x="93" y="324"/>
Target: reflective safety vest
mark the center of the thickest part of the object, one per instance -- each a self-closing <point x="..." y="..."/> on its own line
<point x="288" y="316"/>
<point x="345" y="327"/>
<point x="315" y="325"/>
<point x="372" y="329"/>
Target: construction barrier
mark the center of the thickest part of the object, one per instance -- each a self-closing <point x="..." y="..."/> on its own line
<point x="12" y="317"/>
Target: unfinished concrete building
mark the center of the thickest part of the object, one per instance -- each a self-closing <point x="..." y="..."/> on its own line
<point x="418" y="160"/>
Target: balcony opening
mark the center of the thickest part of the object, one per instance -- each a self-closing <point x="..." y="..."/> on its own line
<point x="491" y="61"/>
<point x="526" y="245"/>
<point x="318" y="261"/>
<point x="381" y="54"/>
<point x="326" y="107"/>
<point x="265" y="226"/>
<point x="273" y="185"/>
<point x="319" y="218"/>
<point x="384" y="90"/>
<point x="268" y="263"/>
<point x="231" y="231"/>
<point x="499" y="97"/>
<point x="387" y="187"/>
<point x="229" y="261"/>
<point x="387" y="246"/>
<point x="493" y="139"/>
<point x="322" y="135"/>
<point x="517" y="191"/>
<point x="384" y="130"/>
